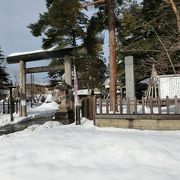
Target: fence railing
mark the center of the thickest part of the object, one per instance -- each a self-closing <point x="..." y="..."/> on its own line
<point x="143" y="106"/>
<point x="6" y="105"/>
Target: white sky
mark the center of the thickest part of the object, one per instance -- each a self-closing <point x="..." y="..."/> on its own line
<point x="15" y="16"/>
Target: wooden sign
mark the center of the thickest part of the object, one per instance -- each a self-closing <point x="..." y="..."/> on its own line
<point x="169" y="85"/>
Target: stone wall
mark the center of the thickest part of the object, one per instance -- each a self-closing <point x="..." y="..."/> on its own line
<point x="149" y="122"/>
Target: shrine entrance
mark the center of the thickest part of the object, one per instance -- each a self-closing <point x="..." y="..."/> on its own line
<point x="22" y="58"/>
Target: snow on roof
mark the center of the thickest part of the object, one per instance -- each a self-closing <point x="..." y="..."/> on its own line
<point x="85" y="92"/>
<point x="37" y="51"/>
<point x="145" y="81"/>
<point x="30" y="52"/>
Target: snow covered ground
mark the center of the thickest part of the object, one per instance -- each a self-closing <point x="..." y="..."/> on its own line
<point x="57" y="152"/>
<point x="45" y="109"/>
<point x="54" y="152"/>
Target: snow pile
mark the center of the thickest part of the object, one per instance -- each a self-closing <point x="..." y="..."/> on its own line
<point x="5" y="119"/>
<point x="44" y="110"/>
<point x="49" y="98"/>
<point x="76" y="152"/>
<point x="48" y="124"/>
<point x="86" y="123"/>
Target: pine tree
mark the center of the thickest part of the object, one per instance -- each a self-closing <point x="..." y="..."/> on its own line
<point x="145" y="31"/>
<point x="3" y="73"/>
<point x="61" y="25"/>
<point x="65" y="24"/>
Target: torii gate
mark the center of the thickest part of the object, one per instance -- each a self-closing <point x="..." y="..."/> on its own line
<point x="22" y="58"/>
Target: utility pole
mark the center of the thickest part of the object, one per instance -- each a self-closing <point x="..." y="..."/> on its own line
<point x="109" y="4"/>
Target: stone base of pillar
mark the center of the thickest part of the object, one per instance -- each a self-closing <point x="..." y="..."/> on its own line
<point x="23" y="111"/>
<point x="65" y="116"/>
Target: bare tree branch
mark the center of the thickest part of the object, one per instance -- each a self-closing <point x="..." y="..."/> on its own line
<point x="92" y="3"/>
<point x="164" y="47"/>
<point x="167" y="53"/>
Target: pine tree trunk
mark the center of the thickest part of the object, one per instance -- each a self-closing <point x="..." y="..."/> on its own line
<point x="112" y="52"/>
<point x="176" y="12"/>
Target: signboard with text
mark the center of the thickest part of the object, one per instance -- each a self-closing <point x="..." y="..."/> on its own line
<point x="169" y="85"/>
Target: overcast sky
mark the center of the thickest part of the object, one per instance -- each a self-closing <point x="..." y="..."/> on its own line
<point x="15" y="16"/>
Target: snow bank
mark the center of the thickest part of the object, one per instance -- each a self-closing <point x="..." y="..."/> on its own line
<point x="54" y="152"/>
<point x="45" y="109"/>
<point x="49" y="98"/>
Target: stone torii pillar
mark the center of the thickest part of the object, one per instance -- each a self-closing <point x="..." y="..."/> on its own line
<point x="68" y="76"/>
<point x="22" y="108"/>
<point x="130" y="82"/>
<point x="68" y="70"/>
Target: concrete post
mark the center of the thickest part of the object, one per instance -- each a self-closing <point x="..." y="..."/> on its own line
<point x="23" y="110"/>
<point x="68" y="77"/>
<point x="130" y="83"/>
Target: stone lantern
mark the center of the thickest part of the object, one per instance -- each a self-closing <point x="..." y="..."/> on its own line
<point x="65" y="113"/>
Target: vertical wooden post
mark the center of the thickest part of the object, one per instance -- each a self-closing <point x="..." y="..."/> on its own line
<point x="176" y="105"/>
<point x="117" y="103"/>
<point x="4" y="107"/>
<point x="100" y="105"/>
<point x="128" y="105"/>
<point x="82" y="107"/>
<point x="143" y="106"/>
<point x="11" y="105"/>
<point x="23" y="110"/>
<point x="95" y="108"/>
<point x="31" y="90"/>
<point x="167" y="104"/>
<point x="151" y="105"/>
<point x="135" y="105"/>
<point x="8" y="106"/>
<point x="91" y="108"/>
<point x="114" y="110"/>
<point x="87" y="105"/>
<point x="107" y="105"/>
<point x="78" y="121"/>
<point x="121" y="105"/>
<point x="17" y="106"/>
<point x="159" y="105"/>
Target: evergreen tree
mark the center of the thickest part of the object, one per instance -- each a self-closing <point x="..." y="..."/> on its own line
<point x="65" y="24"/>
<point x="3" y="73"/>
<point x="146" y="31"/>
